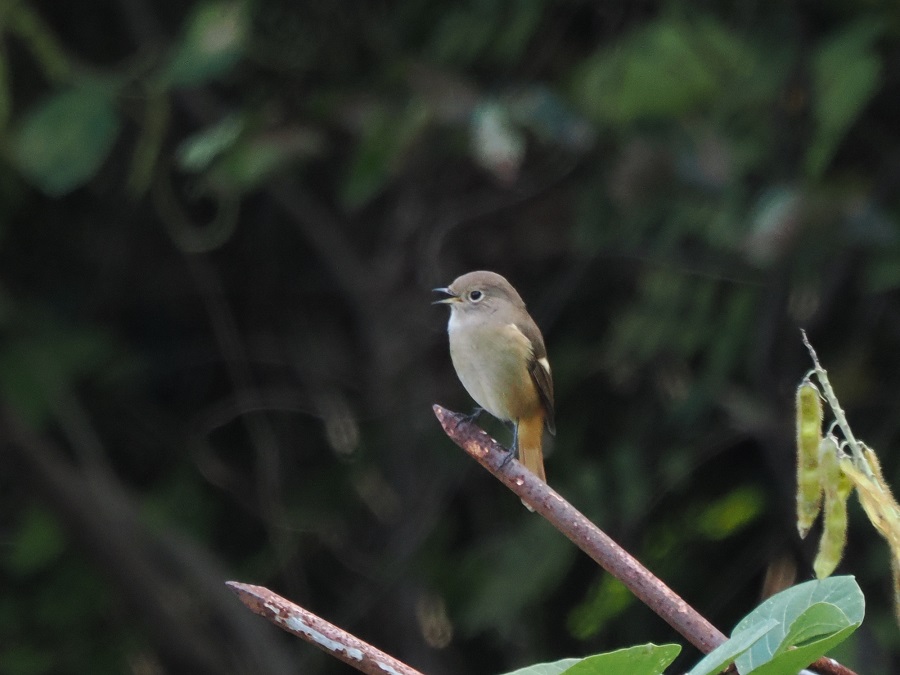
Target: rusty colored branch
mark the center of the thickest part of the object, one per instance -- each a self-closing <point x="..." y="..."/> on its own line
<point x="315" y="630"/>
<point x="828" y="666"/>
<point x="583" y="533"/>
<point x="590" y="539"/>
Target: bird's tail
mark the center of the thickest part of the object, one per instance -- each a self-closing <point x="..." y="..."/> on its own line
<point x="530" y="437"/>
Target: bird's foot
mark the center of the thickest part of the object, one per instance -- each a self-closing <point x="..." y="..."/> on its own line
<point x="514" y="450"/>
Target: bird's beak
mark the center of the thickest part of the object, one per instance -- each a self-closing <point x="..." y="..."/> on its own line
<point x="445" y="301"/>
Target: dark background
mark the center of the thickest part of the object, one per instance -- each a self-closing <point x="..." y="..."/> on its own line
<point x="219" y="228"/>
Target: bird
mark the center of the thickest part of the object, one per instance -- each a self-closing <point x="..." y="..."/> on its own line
<point x="499" y="356"/>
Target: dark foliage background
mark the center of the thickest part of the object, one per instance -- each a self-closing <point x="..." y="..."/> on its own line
<point x="219" y="225"/>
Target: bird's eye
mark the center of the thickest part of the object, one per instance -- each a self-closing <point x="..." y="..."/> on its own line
<point x="475" y="296"/>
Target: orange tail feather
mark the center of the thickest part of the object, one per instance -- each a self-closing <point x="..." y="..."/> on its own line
<point x="531" y="436"/>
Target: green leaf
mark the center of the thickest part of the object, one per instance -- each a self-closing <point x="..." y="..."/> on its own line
<point x="667" y="69"/>
<point x="646" y="659"/>
<point x="199" y="151"/>
<point x="819" y="620"/>
<point x="255" y="158"/>
<point x="502" y="584"/>
<point x="236" y="159"/>
<point x="37" y="364"/>
<point x="62" y="142"/>
<point x="740" y="641"/>
<point x="36" y="543"/>
<point x="730" y="513"/>
<point x="388" y="135"/>
<point x="212" y="43"/>
<point x="466" y="34"/>
<point x="606" y="600"/>
<point x="813" y="617"/>
<point x="846" y="74"/>
<point x="554" y="668"/>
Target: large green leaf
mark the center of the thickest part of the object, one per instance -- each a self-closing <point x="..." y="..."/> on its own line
<point x="740" y="641"/>
<point x="554" y="668"/>
<point x="62" y="142"/>
<point x="813" y="617"/>
<point x="646" y="659"/>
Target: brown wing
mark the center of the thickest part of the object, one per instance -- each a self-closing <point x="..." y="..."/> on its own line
<point x="544" y="382"/>
<point x="540" y="371"/>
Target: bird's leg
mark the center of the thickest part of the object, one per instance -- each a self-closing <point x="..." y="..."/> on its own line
<point x="514" y="450"/>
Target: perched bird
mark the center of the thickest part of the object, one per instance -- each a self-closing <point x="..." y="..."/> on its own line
<point x="499" y="355"/>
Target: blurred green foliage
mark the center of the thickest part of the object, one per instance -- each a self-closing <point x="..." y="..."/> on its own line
<point x="219" y="222"/>
<point x="64" y="141"/>
<point x="38" y="542"/>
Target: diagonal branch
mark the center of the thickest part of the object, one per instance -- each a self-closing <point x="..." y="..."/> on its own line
<point x="590" y="539"/>
<point x="537" y="494"/>
<point x="315" y="630"/>
<point x="583" y="533"/>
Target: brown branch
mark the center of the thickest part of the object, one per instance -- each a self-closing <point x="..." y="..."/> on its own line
<point x="537" y="494"/>
<point x="315" y="630"/>
<point x="590" y="539"/>
<point x="583" y="533"/>
<point x="828" y="666"/>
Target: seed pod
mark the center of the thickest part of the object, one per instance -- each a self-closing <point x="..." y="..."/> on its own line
<point x="809" y="436"/>
<point x="881" y="508"/>
<point x="875" y="497"/>
<point x="834" y="518"/>
<point x="895" y="573"/>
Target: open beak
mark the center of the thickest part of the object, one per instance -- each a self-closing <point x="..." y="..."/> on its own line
<point x="444" y="301"/>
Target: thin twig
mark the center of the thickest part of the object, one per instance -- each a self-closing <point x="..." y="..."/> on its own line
<point x="315" y="630"/>
<point x="837" y="411"/>
<point x="590" y="539"/>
